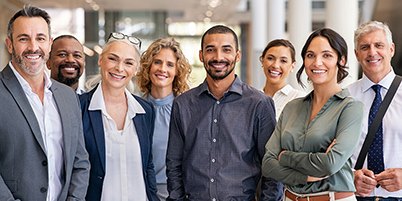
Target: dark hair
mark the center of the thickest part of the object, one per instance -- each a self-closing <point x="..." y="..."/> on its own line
<point x="28" y="11"/>
<point x="336" y="42"/>
<point x="220" y="29"/>
<point x="280" y="42"/>
<point x="61" y="37"/>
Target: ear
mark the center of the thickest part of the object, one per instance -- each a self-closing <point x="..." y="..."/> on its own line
<point x="342" y="61"/>
<point x="100" y="61"/>
<point x="238" y="54"/>
<point x="392" y="50"/>
<point x="200" y="56"/>
<point x="48" y="64"/>
<point x="357" y="55"/>
<point x="9" y="45"/>
<point x="293" y="66"/>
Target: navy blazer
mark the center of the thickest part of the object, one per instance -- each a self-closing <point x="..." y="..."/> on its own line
<point x="95" y="144"/>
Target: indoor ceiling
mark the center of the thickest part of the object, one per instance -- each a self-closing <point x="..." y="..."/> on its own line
<point x="180" y="10"/>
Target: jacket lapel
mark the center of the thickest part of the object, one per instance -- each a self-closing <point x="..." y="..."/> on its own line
<point x="11" y="82"/>
<point x="139" y="121"/>
<point x="95" y="117"/>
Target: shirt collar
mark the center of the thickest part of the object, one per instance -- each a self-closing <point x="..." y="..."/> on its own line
<point x="386" y="82"/>
<point x="24" y="83"/>
<point x="341" y="95"/>
<point x="235" y="87"/>
<point x="98" y="103"/>
<point x="286" y="89"/>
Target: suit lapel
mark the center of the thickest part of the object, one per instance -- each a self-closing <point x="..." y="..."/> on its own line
<point x="139" y="121"/>
<point x="95" y="117"/>
<point x="65" y="119"/>
<point x="12" y="84"/>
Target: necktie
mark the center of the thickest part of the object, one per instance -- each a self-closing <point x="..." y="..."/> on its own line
<point x="375" y="153"/>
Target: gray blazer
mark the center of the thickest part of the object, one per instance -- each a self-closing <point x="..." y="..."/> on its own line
<point x="23" y="162"/>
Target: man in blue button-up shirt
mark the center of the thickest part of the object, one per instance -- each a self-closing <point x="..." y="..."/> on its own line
<point x="218" y="131"/>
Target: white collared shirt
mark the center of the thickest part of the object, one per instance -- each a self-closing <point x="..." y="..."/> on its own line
<point x="283" y="96"/>
<point x="392" y="126"/>
<point x="124" y="179"/>
<point x="49" y="121"/>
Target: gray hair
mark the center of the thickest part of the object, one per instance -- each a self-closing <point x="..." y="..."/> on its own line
<point x="94" y="80"/>
<point x="28" y="11"/>
<point x="372" y="26"/>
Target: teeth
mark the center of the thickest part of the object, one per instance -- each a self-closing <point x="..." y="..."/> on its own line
<point x="318" y="71"/>
<point x="161" y="76"/>
<point x="34" y="57"/>
<point x="373" y="61"/>
<point x="116" y="76"/>
<point x="274" y="72"/>
<point x="69" y="69"/>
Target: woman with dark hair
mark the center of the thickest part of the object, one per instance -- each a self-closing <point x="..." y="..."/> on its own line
<point x="315" y="136"/>
<point x="164" y="74"/>
<point x="277" y="61"/>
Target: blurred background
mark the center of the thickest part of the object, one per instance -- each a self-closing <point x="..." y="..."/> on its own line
<point x="255" y="21"/>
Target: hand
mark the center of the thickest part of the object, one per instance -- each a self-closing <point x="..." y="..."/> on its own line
<point x="390" y="179"/>
<point x="314" y="179"/>
<point x="364" y="182"/>
<point x="279" y="157"/>
<point x="330" y="146"/>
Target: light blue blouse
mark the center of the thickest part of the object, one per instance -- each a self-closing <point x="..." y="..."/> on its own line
<point x="163" y="108"/>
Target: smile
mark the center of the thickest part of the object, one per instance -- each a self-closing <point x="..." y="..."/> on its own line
<point x="33" y="57"/>
<point x="274" y="72"/>
<point x="318" y="71"/>
<point x="116" y="76"/>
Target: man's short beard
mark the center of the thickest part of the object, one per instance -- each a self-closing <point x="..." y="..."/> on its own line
<point x="24" y="65"/>
<point x="68" y="81"/>
<point x="220" y="77"/>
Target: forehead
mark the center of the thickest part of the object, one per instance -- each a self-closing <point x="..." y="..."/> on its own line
<point x="218" y="40"/>
<point x="121" y="49"/>
<point x="320" y="42"/>
<point x="166" y="53"/>
<point x="279" y="50"/>
<point x="373" y="36"/>
<point x="67" y="44"/>
<point x="30" y="26"/>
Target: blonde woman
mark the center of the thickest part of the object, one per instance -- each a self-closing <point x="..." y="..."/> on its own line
<point x="118" y="128"/>
<point x="164" y="74"/>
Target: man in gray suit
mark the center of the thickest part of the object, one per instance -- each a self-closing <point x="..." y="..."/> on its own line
<point x="42" y="151"/>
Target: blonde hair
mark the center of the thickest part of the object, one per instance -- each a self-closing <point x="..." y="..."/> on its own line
<point x="180" y="82"/>
<point x="94" y="80"/>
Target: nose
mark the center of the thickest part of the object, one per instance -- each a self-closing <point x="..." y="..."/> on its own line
<point x="372" y="51"/>
<point x="119" y="67"/>
<point x="276" y="63"/>
<point x="162" y="68"/>
<point x="33" y="45"/>
<point x="318" y="61"/>
<point x="70" y="58"/>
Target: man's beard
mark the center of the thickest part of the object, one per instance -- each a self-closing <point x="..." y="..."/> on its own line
<point x="228" y="70"/>
<point x="68" y="81"/>
<point x="24" y="65"/>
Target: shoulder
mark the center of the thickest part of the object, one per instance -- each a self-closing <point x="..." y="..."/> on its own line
<point x="147" y="105"/>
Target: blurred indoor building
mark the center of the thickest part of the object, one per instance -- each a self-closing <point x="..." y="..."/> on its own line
<point x="256" y="22"/>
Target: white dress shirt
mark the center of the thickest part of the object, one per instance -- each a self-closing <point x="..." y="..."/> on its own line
<point x="49" y="121"/>
<point x="283" y="96"/>
<point x="124" y="179"/>
<point x="392" y="127"/>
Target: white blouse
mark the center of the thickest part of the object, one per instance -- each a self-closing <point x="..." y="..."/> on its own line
<point x="124" y="179"/>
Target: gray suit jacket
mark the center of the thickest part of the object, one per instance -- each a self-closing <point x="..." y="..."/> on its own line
<point x="23" y="162"/>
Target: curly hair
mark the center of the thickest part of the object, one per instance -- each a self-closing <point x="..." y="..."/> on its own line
<point x="180" y="82"/>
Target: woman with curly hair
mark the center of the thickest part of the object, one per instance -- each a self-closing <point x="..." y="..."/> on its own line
<point x="164" y="74"/>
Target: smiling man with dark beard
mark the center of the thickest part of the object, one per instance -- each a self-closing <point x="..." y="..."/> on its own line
<point x="218" y="131"/>
<point x="67" y="61"/>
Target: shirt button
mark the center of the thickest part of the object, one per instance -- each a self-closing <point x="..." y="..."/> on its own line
<point x="215" y="120"/>
<point x="213" y="160"/>
<point x="44" y="163"/>
<point x="212" y="180"/>
<point x="43" y="190"/>
<point x="213" y="199"/>
<point x="214" y="140"/>
<point x="217" y="102"/>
